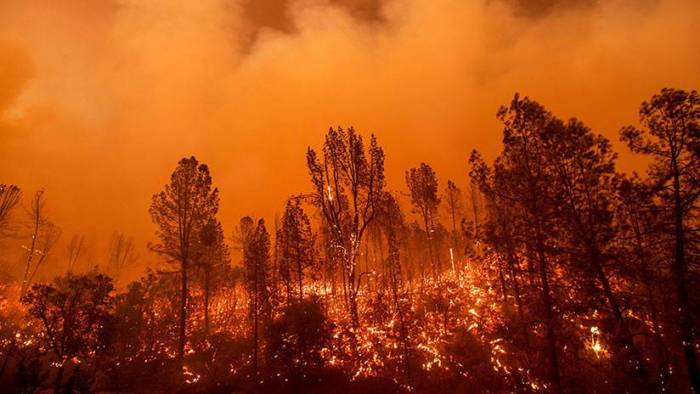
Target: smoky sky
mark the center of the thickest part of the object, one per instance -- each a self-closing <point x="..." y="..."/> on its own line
<point x="277" y="15"/>
<point x="100" y="99"/>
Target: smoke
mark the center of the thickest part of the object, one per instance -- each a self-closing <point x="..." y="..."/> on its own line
<point x="99" y="99"/>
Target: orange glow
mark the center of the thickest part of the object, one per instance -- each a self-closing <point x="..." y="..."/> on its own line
<point x="187" y="222"/>
<point x="117" y="91"/>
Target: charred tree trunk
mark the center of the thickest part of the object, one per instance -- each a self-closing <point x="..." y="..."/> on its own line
<point x="300" y="272"/>
<point x="502" y="279"/>
<point x="429" y="238"/>
<point x="647" y="281"/>
<point x="679" y="272"/>
<point x="549" y="316"/>
<point x="255" y="317"/>
<point x="455" y="242"/>
<point x="183" y="314"/>
<point x="625" y="334"/>
<point x="516" y="284"/>
<point x="207" y="289"/>
<point x="31" y="251"/>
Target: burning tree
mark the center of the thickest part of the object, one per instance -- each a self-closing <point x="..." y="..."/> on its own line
<point x="454" y="207"/>
<point x="393" y="223"/>
<point x="582" y="165"/>
<point x="43" y="237"/>
<point x="568" y="288"/>
<point x="347" y="184"/>
<point x="214" y="258"/>
<point x="423" y="185"/>
<point x="520" y="178"/>
<point x="180" y="211"/>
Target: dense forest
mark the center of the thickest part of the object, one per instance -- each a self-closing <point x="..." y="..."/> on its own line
<point x="553" y="272"/>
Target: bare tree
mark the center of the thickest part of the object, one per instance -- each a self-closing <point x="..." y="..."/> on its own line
<point x="48" y="240"/>
<point x="9" y="198"/>
<point x="74" y="250"/>
<point x="43" y="237"/>
<point x="121" y="253"/>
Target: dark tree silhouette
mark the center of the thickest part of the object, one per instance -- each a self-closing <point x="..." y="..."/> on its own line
<point x="475" y="201"/>
<point x="582" y="165"/>
<point x="639" y="221"/>
<point x="74" y="250"/>
<point x="503" y="228"/>
<point x="146" y="333"/>
<point x="257" y="266"/>
<point x="520" y="173"/>
<point x="671" y="136"/>
<point x="393" y="223"/>
<point x="295" y="247"/>
<point x="180" y="211"/>
<point x="122" y="252"/>
<point x="214" y="258"/>
<point x="296" y="339"/>
<point x="572" y="276"/>
<point x="76" y="315"/>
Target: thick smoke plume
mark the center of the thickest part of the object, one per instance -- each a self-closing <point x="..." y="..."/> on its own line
<point x="99" y="99"/>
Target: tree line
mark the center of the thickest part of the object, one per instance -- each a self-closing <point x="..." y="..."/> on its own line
<point x="553" y="272"/>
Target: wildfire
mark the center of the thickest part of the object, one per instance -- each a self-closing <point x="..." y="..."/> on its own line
<point x="469" y="306"/>
<point x="594" y="343"/>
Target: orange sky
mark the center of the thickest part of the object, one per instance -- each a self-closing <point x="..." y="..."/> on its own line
<point x="99" y="99"/>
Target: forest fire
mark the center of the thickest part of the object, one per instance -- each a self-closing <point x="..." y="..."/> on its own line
<point x="181" y="219"/>
<point x="297" y="313"/>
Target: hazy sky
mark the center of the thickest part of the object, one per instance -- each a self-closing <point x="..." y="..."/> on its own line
<point x="99" y="99"/>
